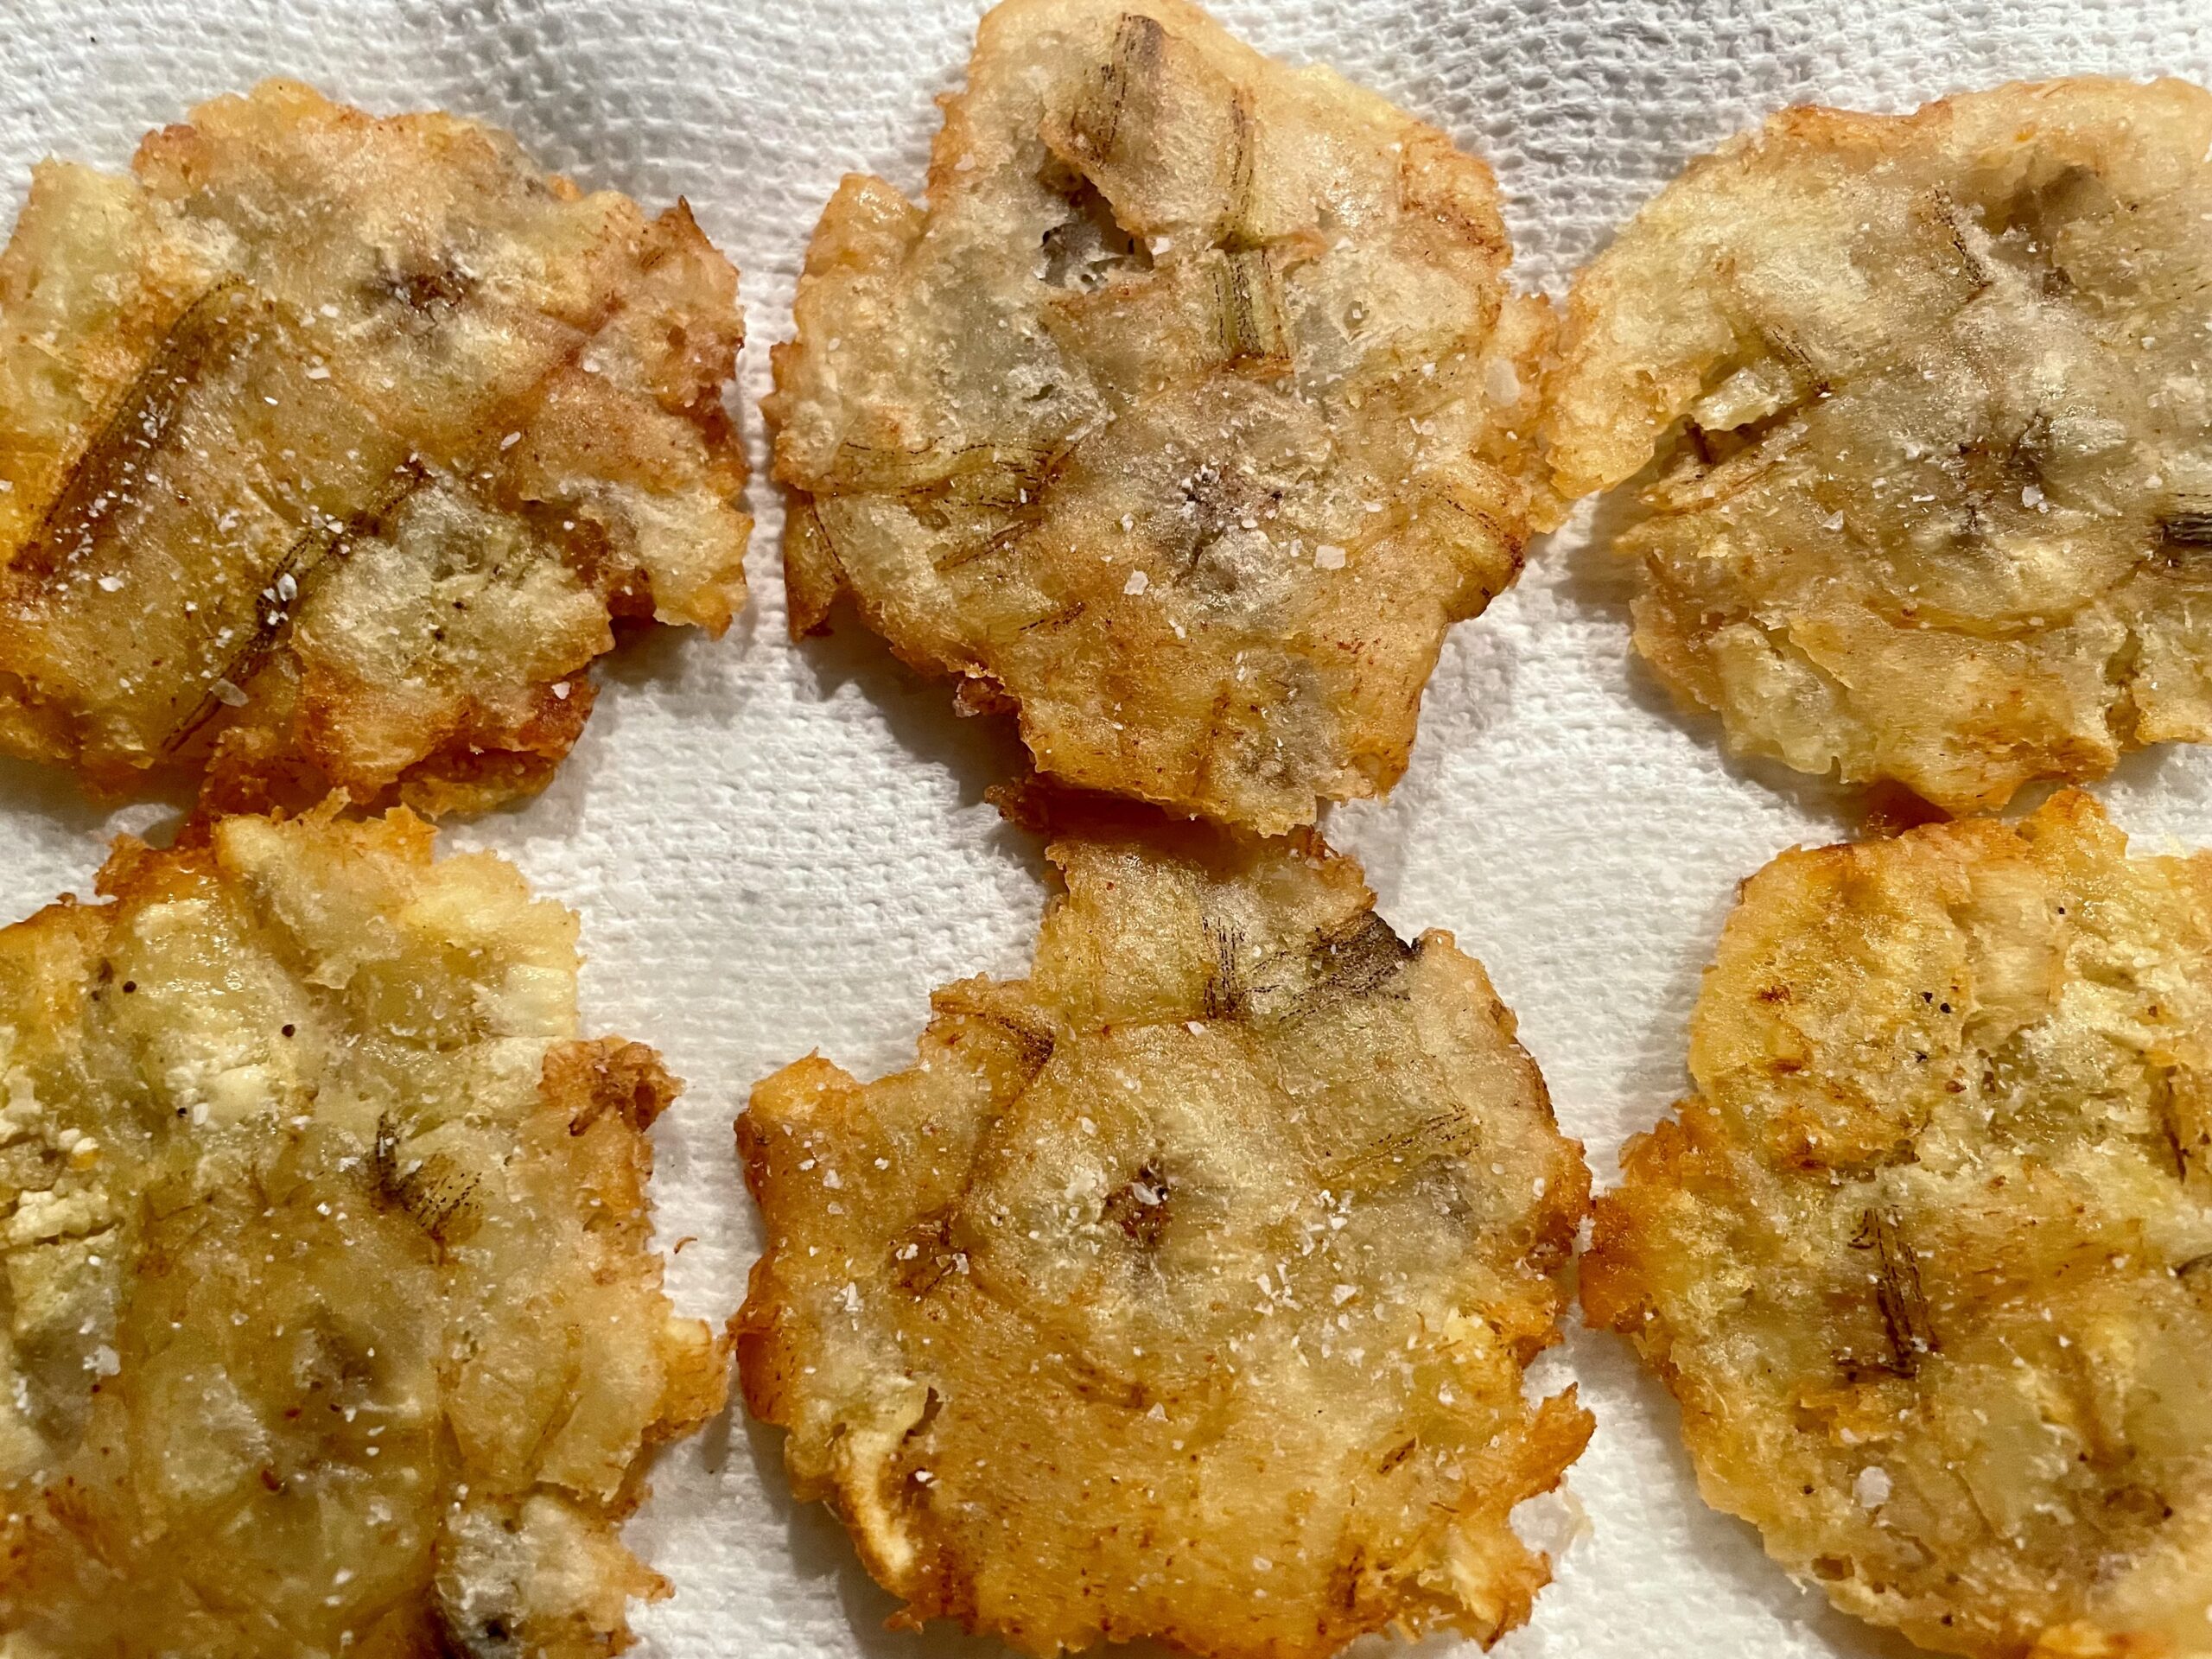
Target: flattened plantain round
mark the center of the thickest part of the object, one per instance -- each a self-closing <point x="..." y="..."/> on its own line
<point x="1924" y="1258"/>
<point x="1922" y="407"/>
<point x="333" y="1321"/>
<point x="1185" y="417"/>
<point x="1183" y="1289"/>
<point x="334" y="447"/>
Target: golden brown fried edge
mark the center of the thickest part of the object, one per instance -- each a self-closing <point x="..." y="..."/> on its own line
<point x="336" y="448"/>
<point x="333" y="1320"/>
<point x="1922" y="1258"/>
<point x="1185" y="419"/>
<point x="1183" y="1289"/>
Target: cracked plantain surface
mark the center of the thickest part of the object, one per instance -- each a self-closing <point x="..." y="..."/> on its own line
<point x="332" y="448"/>
<point x="1928" y="1257"/>
<point x="1183" y="1289"/>
<point x="1185" y="417"/>
<point x="331" y="1322"/>
<point x="1918" y="408"/>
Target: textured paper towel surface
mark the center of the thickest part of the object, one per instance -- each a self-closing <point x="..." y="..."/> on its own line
<point x="775" y="848"/>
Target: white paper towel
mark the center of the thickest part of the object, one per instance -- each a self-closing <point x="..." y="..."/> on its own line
<point x="778" y="847"/>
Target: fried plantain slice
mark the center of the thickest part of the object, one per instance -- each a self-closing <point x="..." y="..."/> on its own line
<point x="330" y="448"/>
<point x="1920" y="411"/>
<point x="332" y="1324"/>
<point x="1924" y="1258"/>
<point x="1185" y="417"/>
<point x="1184" y="1288"/>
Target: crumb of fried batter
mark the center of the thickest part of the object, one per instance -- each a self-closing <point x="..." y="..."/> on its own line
<point x="333" y="447"/>
<point x="1923" y="1257"/>
<point x="1185" y="417"/>
<point x="1915" y="409"/>
<point x="1185" y="1289"/>
<point x="334" y="1320"/>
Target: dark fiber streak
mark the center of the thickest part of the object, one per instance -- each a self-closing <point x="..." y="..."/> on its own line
<point x="1896" y="1291"/>
<point x="198" y="342"/>
<point x="305" y="560"/>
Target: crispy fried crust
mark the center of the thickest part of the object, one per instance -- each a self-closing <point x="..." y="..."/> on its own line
<point x="331" y="447"/>
<point x="1185" y="417"/>
<point x="331" y="1320"/>
<point x="1924" y="1257"/>
<point x="1184" y="1288"/>
<point x="1921" y="409"/>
